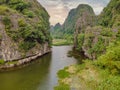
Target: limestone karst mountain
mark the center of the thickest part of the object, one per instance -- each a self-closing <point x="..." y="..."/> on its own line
<point x="24" y="30"/>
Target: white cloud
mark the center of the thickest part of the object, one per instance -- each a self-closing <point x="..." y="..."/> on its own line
<point x="58" y="9"/>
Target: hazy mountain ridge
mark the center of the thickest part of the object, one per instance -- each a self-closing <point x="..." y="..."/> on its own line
<point x="69" y="26"/>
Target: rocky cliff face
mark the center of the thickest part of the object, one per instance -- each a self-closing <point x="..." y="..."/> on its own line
<point x="86" y="18"/>
<point x="94" y="33"/>
<point x="75" y="16"/>
<point x="24" y="26"/>
<point x="56" y="30"/>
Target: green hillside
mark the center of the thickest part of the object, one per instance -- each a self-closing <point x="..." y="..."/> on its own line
<point x="101" y="44"/>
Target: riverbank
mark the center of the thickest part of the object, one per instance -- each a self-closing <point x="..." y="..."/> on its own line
<point x="61" y="42"/>
<point x="100" y="74"/>
<point x="15" y="63"/>
<point x="87" y="77"/>
<point x="40" y="74"/>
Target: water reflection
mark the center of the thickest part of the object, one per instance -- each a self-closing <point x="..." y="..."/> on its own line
<point x="38" y="75"/>
<point x="27" y="78"/>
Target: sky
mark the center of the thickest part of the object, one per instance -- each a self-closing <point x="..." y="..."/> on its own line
<point x="59" y="9"/>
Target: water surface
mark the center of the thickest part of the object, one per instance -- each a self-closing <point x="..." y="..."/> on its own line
<point x="38" y="75"/>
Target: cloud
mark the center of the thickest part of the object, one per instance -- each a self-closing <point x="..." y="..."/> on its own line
<point x="58" y="9"/>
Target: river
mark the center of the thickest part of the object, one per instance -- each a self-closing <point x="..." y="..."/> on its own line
<point x="40" y="74"/>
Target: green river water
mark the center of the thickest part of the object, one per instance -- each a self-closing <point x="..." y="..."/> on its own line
<point x="40" y="74"/>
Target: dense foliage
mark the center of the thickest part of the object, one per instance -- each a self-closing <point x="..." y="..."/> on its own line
<point x="111" y="60"/>
<point x="32" y="22"/>
<point x="110" y="15"/>
<point x="66" y="31"/>
<point x="100" y="74"/>
<point x="98" y="36"/>
<point x="102" y="43"/>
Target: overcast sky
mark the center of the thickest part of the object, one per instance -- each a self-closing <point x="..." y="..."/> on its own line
<point x="58" y="9"/>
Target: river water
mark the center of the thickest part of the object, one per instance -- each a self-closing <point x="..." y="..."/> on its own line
<point x="40" y="74"/>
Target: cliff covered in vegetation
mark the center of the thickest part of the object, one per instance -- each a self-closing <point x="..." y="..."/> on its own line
<point x="24" y="26"/>
<point x="93" y="40"/>
<point x="101" y="43"/>
<point x="82" y="15"/>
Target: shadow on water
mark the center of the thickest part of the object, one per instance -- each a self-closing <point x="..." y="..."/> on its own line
<point x="79" y="56"/>
<point x="26" y="78"/>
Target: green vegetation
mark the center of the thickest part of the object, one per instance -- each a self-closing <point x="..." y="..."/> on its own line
<point x="100" y="42"/>
<point x="4" y="10"/>
<point x="7" y="22"/>
<point x="30" y="24"/>
<point x="63" y="74"/>
<point x="98" y="47"/>
<point x="66" y="31"/>
<point x="62" y="87"/>
<point x="2" y="61"/>
<point x="110" y="15"/>
<point x="12" y="62"/>
<point x="111" y="60"/>
<point x="80" y="41"/>
<point x="98" y="36"/>
<point x="100" y="74"/>
<point x="28" y="13"/>
<point x="26" y="45"/>
<point x="60" y="42"/>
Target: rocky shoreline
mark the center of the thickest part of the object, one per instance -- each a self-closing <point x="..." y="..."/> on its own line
<point x="23" y="61"/>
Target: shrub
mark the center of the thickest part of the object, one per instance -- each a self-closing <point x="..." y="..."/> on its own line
<point x="26" y="45"/>
<point x="7" y="22"/>
<point x="28" y="13"/>
<point x="62" y="87"/>
<point x="21" y="6"/>
<point x="21" y="23"/>
<point x="107" y="32"/>
<point x="80" y="39"/>
<point x="2" y="61"/>
<point x="111" y="60"/>
<point x="63" y="74"/>
<point x="3" y="10"/>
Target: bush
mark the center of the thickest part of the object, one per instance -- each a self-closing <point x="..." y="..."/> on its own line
<point x="63" y="74"/>
<point x="21" y="23"/>
<point x="28" y="32"/>
<point x="110" y="83"/>
<point x="4" y="10"/>
<point x="62" y="87"/>
<point x="80" y="39"/>
<point x="21" y="6"/>
<point x="28" y="13"/>
<point x="26" y="45"/>
<point x="2" y="61"/>
<point x="99" y="47"/>
<point x="7" y="22"/>
<point x="111" y="60"/>
<point x="107" y="32"/>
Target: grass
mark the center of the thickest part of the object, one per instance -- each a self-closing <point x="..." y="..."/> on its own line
<point x="63" y="77"/>
<point x="2" y="61"/>
<point x="89" y="77"/>
<point x="12" y="62"/>
<point x="63" y="74"/>
<point x="100" y="74"/>
<point x="61" y="42"/>
<point x="62" y="87"/>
